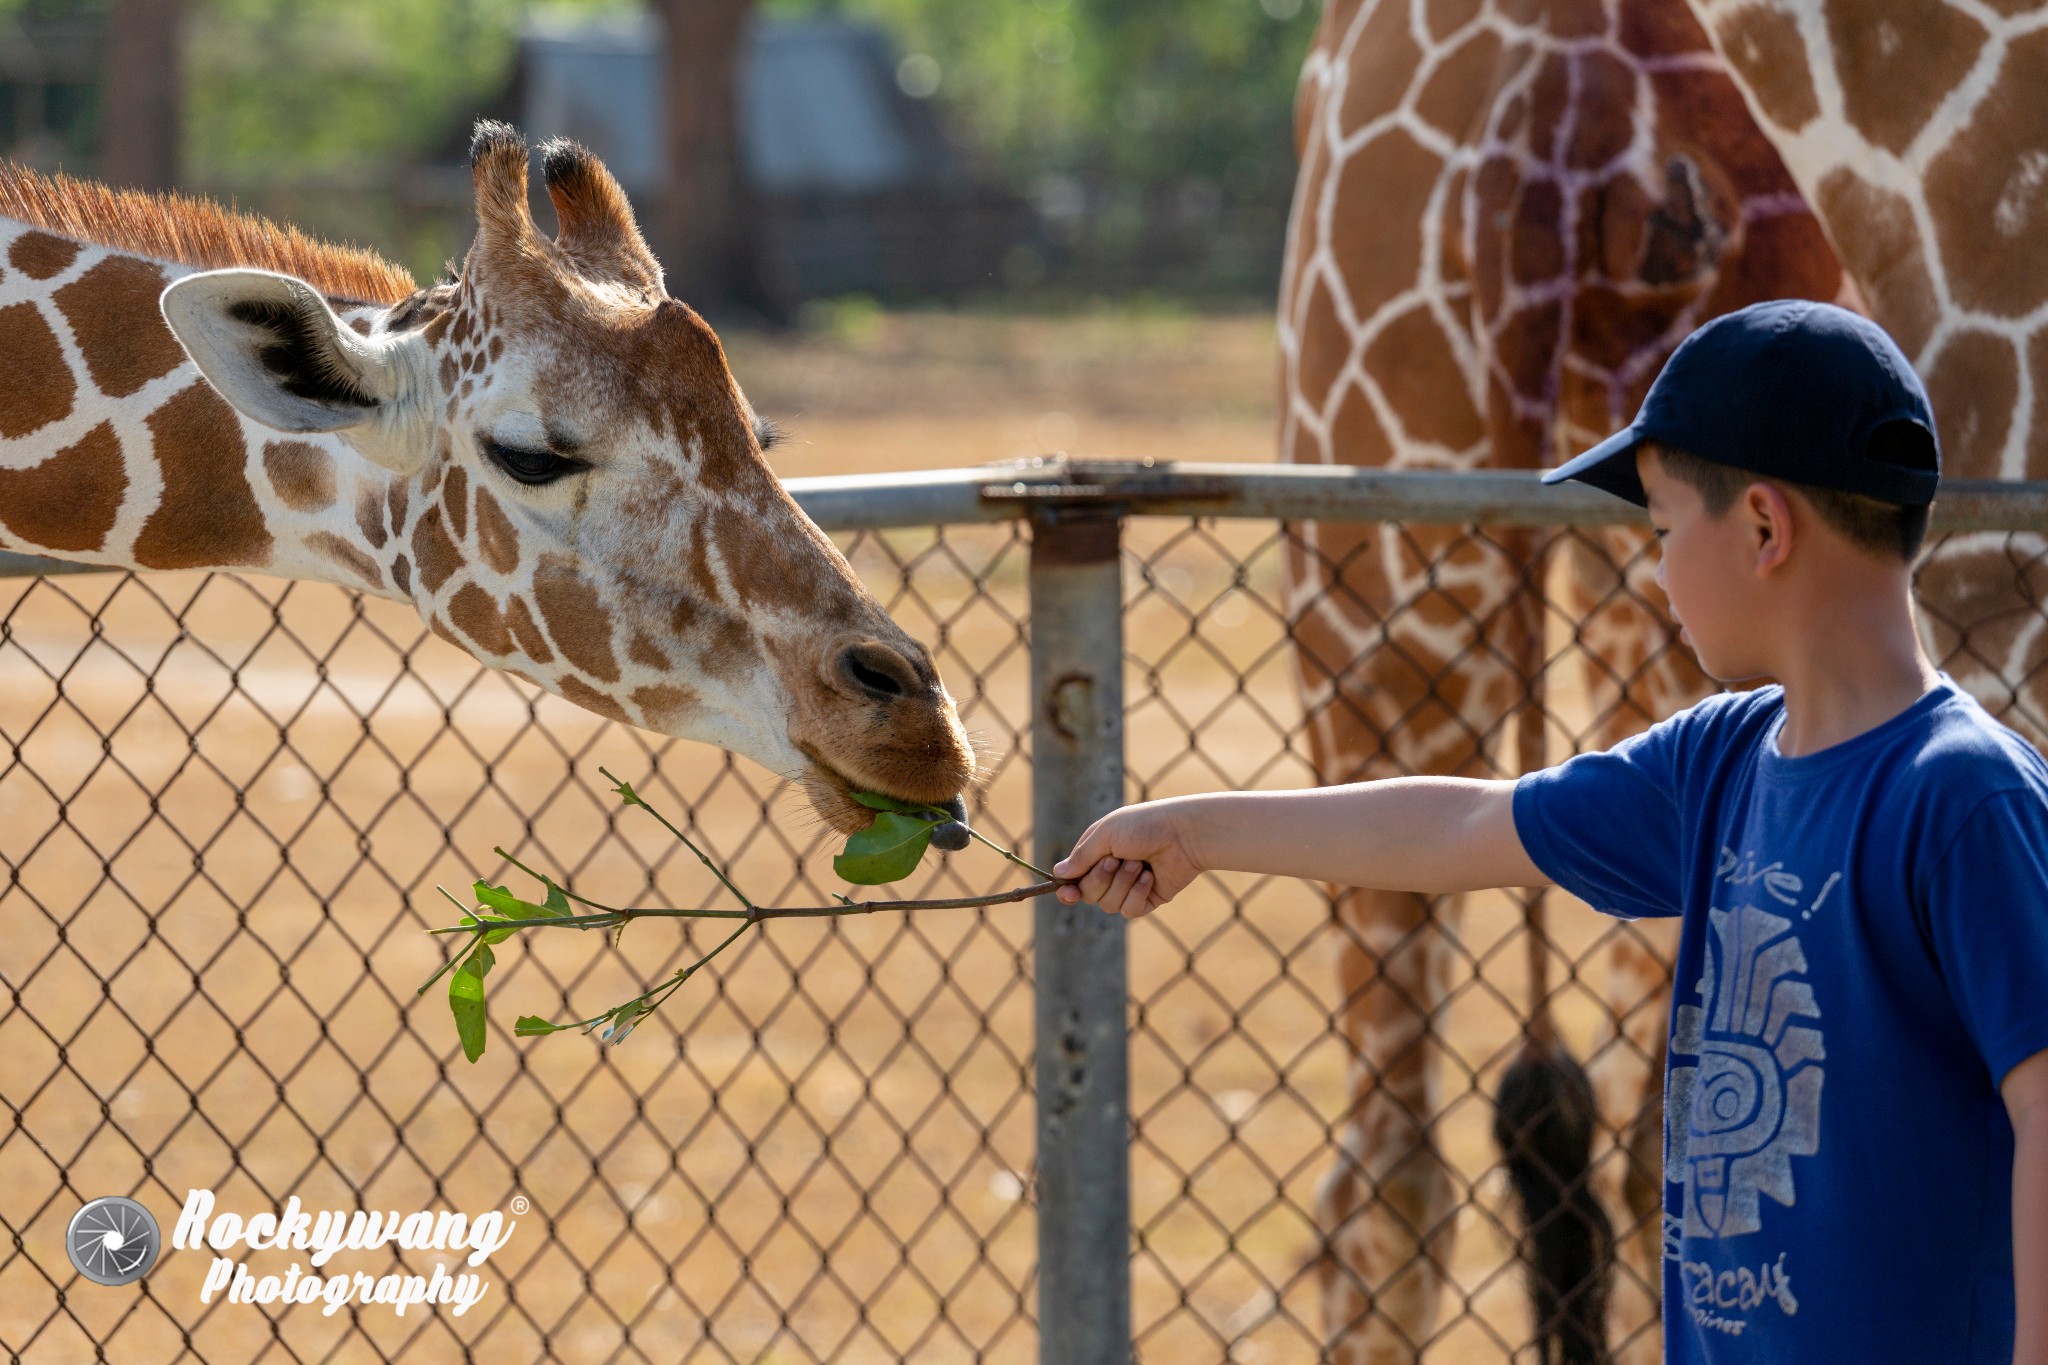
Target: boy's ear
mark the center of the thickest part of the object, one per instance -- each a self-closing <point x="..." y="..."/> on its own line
<point x="1770" y="516"/>
<point x="274" y="349"/>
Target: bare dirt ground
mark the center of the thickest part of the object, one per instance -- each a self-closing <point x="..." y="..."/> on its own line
<point x="227" y="804"/>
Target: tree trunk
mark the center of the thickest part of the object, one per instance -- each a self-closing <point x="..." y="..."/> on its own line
<point x="141" y="94"/>
<point x="707" y="231"/>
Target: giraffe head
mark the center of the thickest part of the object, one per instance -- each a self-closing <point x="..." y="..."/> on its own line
<point x="578" y="494"/>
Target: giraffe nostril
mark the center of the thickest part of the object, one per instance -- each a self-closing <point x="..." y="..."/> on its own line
<point x="877" y="672"/>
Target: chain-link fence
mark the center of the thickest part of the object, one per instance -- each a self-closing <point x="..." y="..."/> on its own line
<point x="227" y="803"/>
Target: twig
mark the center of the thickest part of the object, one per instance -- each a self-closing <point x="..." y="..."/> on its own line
<point x="758" y="913"/>
<point x="633" y="798"/>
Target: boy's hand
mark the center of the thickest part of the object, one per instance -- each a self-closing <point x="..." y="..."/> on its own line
<point x="1131" y="861"/>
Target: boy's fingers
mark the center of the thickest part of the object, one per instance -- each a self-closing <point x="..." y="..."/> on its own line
<point x="1080" y="855"/>
<point x="1118" y="898"/>
<point x="1096" y="883"/>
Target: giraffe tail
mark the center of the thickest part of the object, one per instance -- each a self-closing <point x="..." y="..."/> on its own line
<point x="1543" y="1121"/>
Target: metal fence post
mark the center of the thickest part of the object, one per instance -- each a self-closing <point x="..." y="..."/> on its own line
<point x="1083" y="1072"/>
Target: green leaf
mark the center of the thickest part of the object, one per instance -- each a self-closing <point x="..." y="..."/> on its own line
<point x="466" y="999"/>
<point x="533" y="1026"/>
<point x="886" y="851"/>
<point x="876" y="801"/>
<point x="557" y="902"/>
<point x="628" y="795"/>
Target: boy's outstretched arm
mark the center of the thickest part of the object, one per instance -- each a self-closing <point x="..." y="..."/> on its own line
<point x="1426" y="834"/>
<point x="2025" y="1090"/>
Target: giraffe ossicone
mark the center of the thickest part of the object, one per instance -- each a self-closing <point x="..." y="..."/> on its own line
<point x="545" y="454"/>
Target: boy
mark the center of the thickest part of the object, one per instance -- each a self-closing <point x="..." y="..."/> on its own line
<point x="1856" y="1159"/>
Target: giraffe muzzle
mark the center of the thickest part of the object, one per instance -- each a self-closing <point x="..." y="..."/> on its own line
<point x="952" y="836"/>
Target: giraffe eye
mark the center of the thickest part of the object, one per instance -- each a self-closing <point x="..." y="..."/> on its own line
<point x="531" y="467"/>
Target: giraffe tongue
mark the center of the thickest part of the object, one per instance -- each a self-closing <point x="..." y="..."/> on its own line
<point x="951" y="837"/>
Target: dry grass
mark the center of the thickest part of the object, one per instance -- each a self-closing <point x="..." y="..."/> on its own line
<point x="821" y="1152"/>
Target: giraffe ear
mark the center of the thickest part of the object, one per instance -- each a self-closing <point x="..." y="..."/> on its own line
<point x="277" y="352"/>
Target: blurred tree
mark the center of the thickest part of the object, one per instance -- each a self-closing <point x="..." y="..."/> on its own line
<point x="1145" y="128"/>
<point x="141" y="98"/>
<point x="706" y="232"/>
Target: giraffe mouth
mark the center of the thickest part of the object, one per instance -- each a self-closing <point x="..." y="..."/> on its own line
<point x="831" y="793"/>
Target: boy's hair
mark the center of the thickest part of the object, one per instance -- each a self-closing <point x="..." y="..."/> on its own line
<point x="1885" y="529"/>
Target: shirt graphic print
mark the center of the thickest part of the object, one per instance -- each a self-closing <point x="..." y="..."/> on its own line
<point x="1743" y="1096"/>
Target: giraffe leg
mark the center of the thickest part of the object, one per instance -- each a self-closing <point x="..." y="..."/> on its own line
<point x="1637" y="672"/>
<point x="1411" y="642"/>
<point x="1628" y="1075"/>
<point x="1387" y="1208"/>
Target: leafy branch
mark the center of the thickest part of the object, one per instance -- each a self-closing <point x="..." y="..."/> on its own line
<point x="888" y="850"/>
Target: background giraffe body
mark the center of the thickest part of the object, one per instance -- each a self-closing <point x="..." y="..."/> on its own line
<point x="1507" y="216"/>
<point x="547" y="456"/>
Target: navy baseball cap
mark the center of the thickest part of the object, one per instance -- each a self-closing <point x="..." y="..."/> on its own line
<point x="1796" y="390"/>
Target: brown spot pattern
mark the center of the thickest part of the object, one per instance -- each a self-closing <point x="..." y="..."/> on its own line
<point x="370" y="517"/>
<point x="455" y="497"/>
<point x="36" y="388"/>
<point x="40" y="256"/>
<point x="576" y="618"/>
<point x="113" y="313"/>
<point x="207" y="517"/>
<point x="434" y="551"/>
<point x="331" y="546"/>
<point x="495" y="537"/>
<point x="478" y="617"/>
<point x="396" y="494"/>
<point x="646" y="653"/>
<point x="1422" y="379"/>
<point x="1387" y="56"/>
<point x="1897" y="60"/>
<point x="1762" y="43"/>
<point x="1993" y="172"/>
<point x="301" y="474"/>
<point x="533" y="643"/>
<point x="1974" y="386"/>
<point x="1458" y="88"/>
<point x="2037" y="366"/>
<point x="69" y="501"/>
<point x="1880" y="245"/>
<point x="590" y="699"/>
<point x="665" y="707"/>
<point x="401" y="574"/>
<point x="1379" y="217"/>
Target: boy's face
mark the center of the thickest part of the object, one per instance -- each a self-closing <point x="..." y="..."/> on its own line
<point x="1707" y="567"/>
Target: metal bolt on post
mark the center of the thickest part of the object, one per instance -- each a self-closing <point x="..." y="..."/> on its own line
<point x="1083" y="1072"/>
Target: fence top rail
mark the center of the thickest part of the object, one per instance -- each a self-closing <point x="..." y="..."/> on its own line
<point x="1511" y="497"/>
<point x="1017" y="489"/>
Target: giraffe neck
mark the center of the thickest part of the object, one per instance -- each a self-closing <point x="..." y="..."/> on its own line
<point x="114" y="450"/>
<point x="1919" y="135"/>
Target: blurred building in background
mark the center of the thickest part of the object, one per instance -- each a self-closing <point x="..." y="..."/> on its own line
<point x="776" y="150"/>
<point x="49" y="86"/>
<point x="856" y="186"/>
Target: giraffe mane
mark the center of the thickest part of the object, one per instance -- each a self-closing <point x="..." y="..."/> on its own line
<point x="190" y="231"/>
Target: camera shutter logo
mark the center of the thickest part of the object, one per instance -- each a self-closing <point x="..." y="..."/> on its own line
<point x="112" y="1241"/>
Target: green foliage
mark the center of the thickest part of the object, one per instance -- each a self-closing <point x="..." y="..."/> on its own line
<point x="307" y="88"/>
<point x="466" y="999"/>
<point x="1139" y="92"/>
<point x="886" y="851"/>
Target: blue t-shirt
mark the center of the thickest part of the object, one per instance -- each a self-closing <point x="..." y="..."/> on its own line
<point x="1864" y="956"/>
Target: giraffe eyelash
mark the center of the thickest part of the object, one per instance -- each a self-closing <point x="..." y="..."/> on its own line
<point x="534" y="468"/>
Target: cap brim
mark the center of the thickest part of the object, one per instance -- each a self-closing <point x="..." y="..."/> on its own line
<point x="1609" y="467"/>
